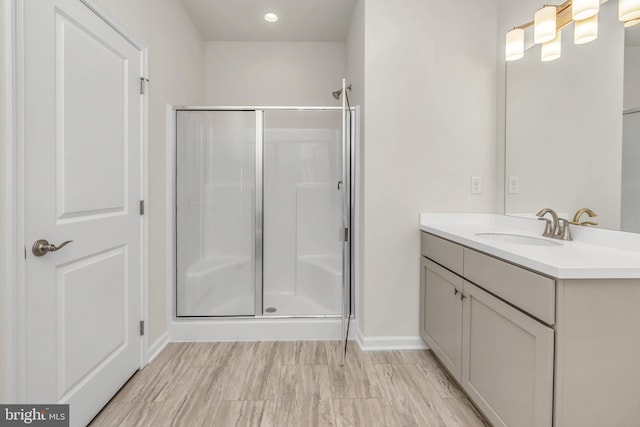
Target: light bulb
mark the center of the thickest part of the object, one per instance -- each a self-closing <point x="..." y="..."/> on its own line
<point x="544" y="24"/>
<point x="628" y="10"/>
<point x="551" y="50"/>
<point x="515" y="44"/>
<point x="583" y="9"/>
<point x="586" y="30"/>
<point x="271" y="17"/>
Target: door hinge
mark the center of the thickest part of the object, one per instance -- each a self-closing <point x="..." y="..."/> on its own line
<point x="141" y="327"/>
<point x="141" y="207"/>
<point x="143" y="83"/>
<point x="346" y="234"/>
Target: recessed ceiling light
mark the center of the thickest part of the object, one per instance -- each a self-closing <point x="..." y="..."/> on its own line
<point x="271" y="17"/>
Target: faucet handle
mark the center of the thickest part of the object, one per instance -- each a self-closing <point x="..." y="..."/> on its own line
<point x="564" y="232"/>
<point x="548" y="229"/>
<point x="585" y="223"/>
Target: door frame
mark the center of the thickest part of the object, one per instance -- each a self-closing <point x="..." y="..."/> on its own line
<point x="13" y="246"/>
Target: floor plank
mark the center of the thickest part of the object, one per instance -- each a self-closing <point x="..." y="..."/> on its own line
<point x="244" y="413"/>
<point x="297" y="383"/>
<point x="305" y="412"/>
<point x="305" y="382"/>
<point x="365" y="413"/>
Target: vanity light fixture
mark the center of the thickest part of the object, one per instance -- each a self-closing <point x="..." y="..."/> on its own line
<point x="628" y="10"/>
<point x="586" y="30"/>
<point x="583" y="9"/>
<point x="271" y="17"/>
<point x="544" y="24"/>
<point x="515" y="44"/>
<point x="550" y="20"/>
<point x="552" y="49"/>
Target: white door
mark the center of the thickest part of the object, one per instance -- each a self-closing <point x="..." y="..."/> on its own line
<point x="82" y="151"/>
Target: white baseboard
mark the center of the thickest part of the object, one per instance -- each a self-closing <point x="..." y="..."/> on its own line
<point x="390" y="343"/>
<point x="154" y="350"/>
<point x="259" y="329"/>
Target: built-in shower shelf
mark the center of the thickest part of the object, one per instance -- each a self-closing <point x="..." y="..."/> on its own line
<point x="329" y="263"/>
<point x="207" y="266"/>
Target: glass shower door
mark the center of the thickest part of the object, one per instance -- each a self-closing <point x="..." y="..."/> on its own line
<point x="215" y="213"/>
<point x="303" y="208"/>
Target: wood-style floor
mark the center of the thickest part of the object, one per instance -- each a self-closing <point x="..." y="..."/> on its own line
<point x="297" y="383"/>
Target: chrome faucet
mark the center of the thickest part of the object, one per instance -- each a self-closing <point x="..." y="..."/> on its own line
<point x="551" y="228"/>
<point x="557" y="228"/>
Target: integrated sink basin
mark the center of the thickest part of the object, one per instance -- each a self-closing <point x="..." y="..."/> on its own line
<point x="517" y="239"/>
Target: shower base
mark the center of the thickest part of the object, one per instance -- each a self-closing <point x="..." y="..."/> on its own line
<point x="262" y="328"/>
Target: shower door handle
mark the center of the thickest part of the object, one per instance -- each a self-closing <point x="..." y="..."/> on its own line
<point x="339" y="184"/>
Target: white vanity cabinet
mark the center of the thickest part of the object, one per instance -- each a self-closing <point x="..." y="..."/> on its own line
<point x="502" y="357"/>
<point x="535" y="335"/>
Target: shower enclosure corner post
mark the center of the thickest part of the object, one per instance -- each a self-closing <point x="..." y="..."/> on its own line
<point x="259" y="212"/>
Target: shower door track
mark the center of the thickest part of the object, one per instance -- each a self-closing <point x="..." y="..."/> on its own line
<point x="258" y="270"/>
<point x="254" y="108"/>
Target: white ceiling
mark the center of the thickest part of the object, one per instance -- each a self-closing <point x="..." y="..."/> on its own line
<point x="243" y="20"/>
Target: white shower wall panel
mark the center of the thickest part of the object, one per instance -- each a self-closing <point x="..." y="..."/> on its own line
<point x="294" y="158"/>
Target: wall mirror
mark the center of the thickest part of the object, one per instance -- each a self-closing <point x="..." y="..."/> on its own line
<point x="573" y="128"/>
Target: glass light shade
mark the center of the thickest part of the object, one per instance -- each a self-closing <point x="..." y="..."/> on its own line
<point x="586" y="30"/>
<point x="271" y="17"/>
<point x="632" y="23"/>
<point x="551" y="50"/>
<point x="544" y="24"/>
<point x="515" y="44"/>
<point x="628" y="10"/>
<point x="583" y="9"/>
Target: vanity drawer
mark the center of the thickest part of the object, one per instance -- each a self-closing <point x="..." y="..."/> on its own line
<point x="531" y="292"/>
<point x="444" y="252"/>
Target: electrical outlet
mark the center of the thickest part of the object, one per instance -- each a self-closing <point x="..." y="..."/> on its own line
<point x="476" y="185"/>
<point x="514" y="185"/>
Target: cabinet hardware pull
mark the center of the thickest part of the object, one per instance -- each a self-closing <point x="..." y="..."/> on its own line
<point x="456" y="291"/>
<point x="463" y="297"/>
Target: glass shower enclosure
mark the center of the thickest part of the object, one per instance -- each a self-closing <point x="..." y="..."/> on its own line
<point x="262" y="212"/>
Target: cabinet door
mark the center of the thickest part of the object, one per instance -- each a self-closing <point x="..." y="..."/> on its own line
<point x="441" y="314"/>
<point x="507" y="361"/>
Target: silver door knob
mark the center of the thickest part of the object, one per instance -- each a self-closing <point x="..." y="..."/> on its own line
<point x="42" y="247"/>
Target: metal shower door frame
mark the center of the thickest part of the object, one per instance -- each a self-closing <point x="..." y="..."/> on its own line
<point x="347" y="161"/>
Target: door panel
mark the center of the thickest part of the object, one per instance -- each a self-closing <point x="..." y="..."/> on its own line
<point x="77" y="285"/>
<point x="91" y="148"/>
<point x="442" y="327"/>
<point x="302" y="213"/>
<point x="215" y="213"/>
<point x="345" y="229"/>
<point x="82" y="136"/>
<point x="507" y="362"/>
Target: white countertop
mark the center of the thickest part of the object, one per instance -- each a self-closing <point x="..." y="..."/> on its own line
<point x="594" y="253"/>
